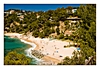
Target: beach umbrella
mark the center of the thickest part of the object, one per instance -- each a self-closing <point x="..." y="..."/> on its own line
<point x="78" y="48"/>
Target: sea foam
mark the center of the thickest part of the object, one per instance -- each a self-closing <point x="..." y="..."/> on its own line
<point x="29" y="51"/>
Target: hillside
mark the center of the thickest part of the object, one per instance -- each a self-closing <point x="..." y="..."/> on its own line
<point x="62" y="23"/>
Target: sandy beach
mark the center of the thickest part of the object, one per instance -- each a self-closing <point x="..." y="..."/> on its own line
<point x="53" y="50"/>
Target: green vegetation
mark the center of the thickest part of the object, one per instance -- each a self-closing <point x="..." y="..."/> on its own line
<point x="78" y="59"/>
<point x="43" y="24"/>
<point x="39" y="23"/>
<point x="85" y="35"/>
<point x="75" y="60"/>
<point x="14" y="58"/>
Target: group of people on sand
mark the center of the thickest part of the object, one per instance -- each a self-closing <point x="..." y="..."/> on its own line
<point x="44" y="44"/>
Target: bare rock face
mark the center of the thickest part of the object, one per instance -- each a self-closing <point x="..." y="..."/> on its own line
<point x="37" y="54"/>
<point x="62" y="26"/>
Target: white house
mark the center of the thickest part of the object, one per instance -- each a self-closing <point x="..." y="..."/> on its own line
<point x="74" y="10"/>
<point x="6" y="12"/>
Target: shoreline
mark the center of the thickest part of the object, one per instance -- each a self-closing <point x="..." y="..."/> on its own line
<point x="46" y="59"/>
<point x="26" y="41"/>
<point x="45" y="45"/>
<point x="34" y="46"/>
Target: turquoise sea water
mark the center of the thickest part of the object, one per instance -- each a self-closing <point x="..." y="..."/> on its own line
<point x="14" y="44"/>
<point x="11" y="44"/>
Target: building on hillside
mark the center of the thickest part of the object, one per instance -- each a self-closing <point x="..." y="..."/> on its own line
<point x="71" y="11"/>
<point x="12" y="11"/>
<point x="73" y="19"/>
<point x="23" y="10"/>
<point x="74" y="10"/>
<point x="18" y="14"/>
<point x="37" y="15"/>
<point x="7" y="12"/>
<point x="21" y="17"/>
<point x="74" y="22"/>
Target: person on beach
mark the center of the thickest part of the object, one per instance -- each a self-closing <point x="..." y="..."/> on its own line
<point x="47" y="53"/>
<point x="53" y="53"/>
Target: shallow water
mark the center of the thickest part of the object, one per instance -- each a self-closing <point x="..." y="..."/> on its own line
<point x="11" y="44"/>
<point x="14" y="44"/>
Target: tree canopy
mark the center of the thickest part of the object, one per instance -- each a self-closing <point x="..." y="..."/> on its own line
<point x="42" y="24"/>
<point x="14" y="58"/>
